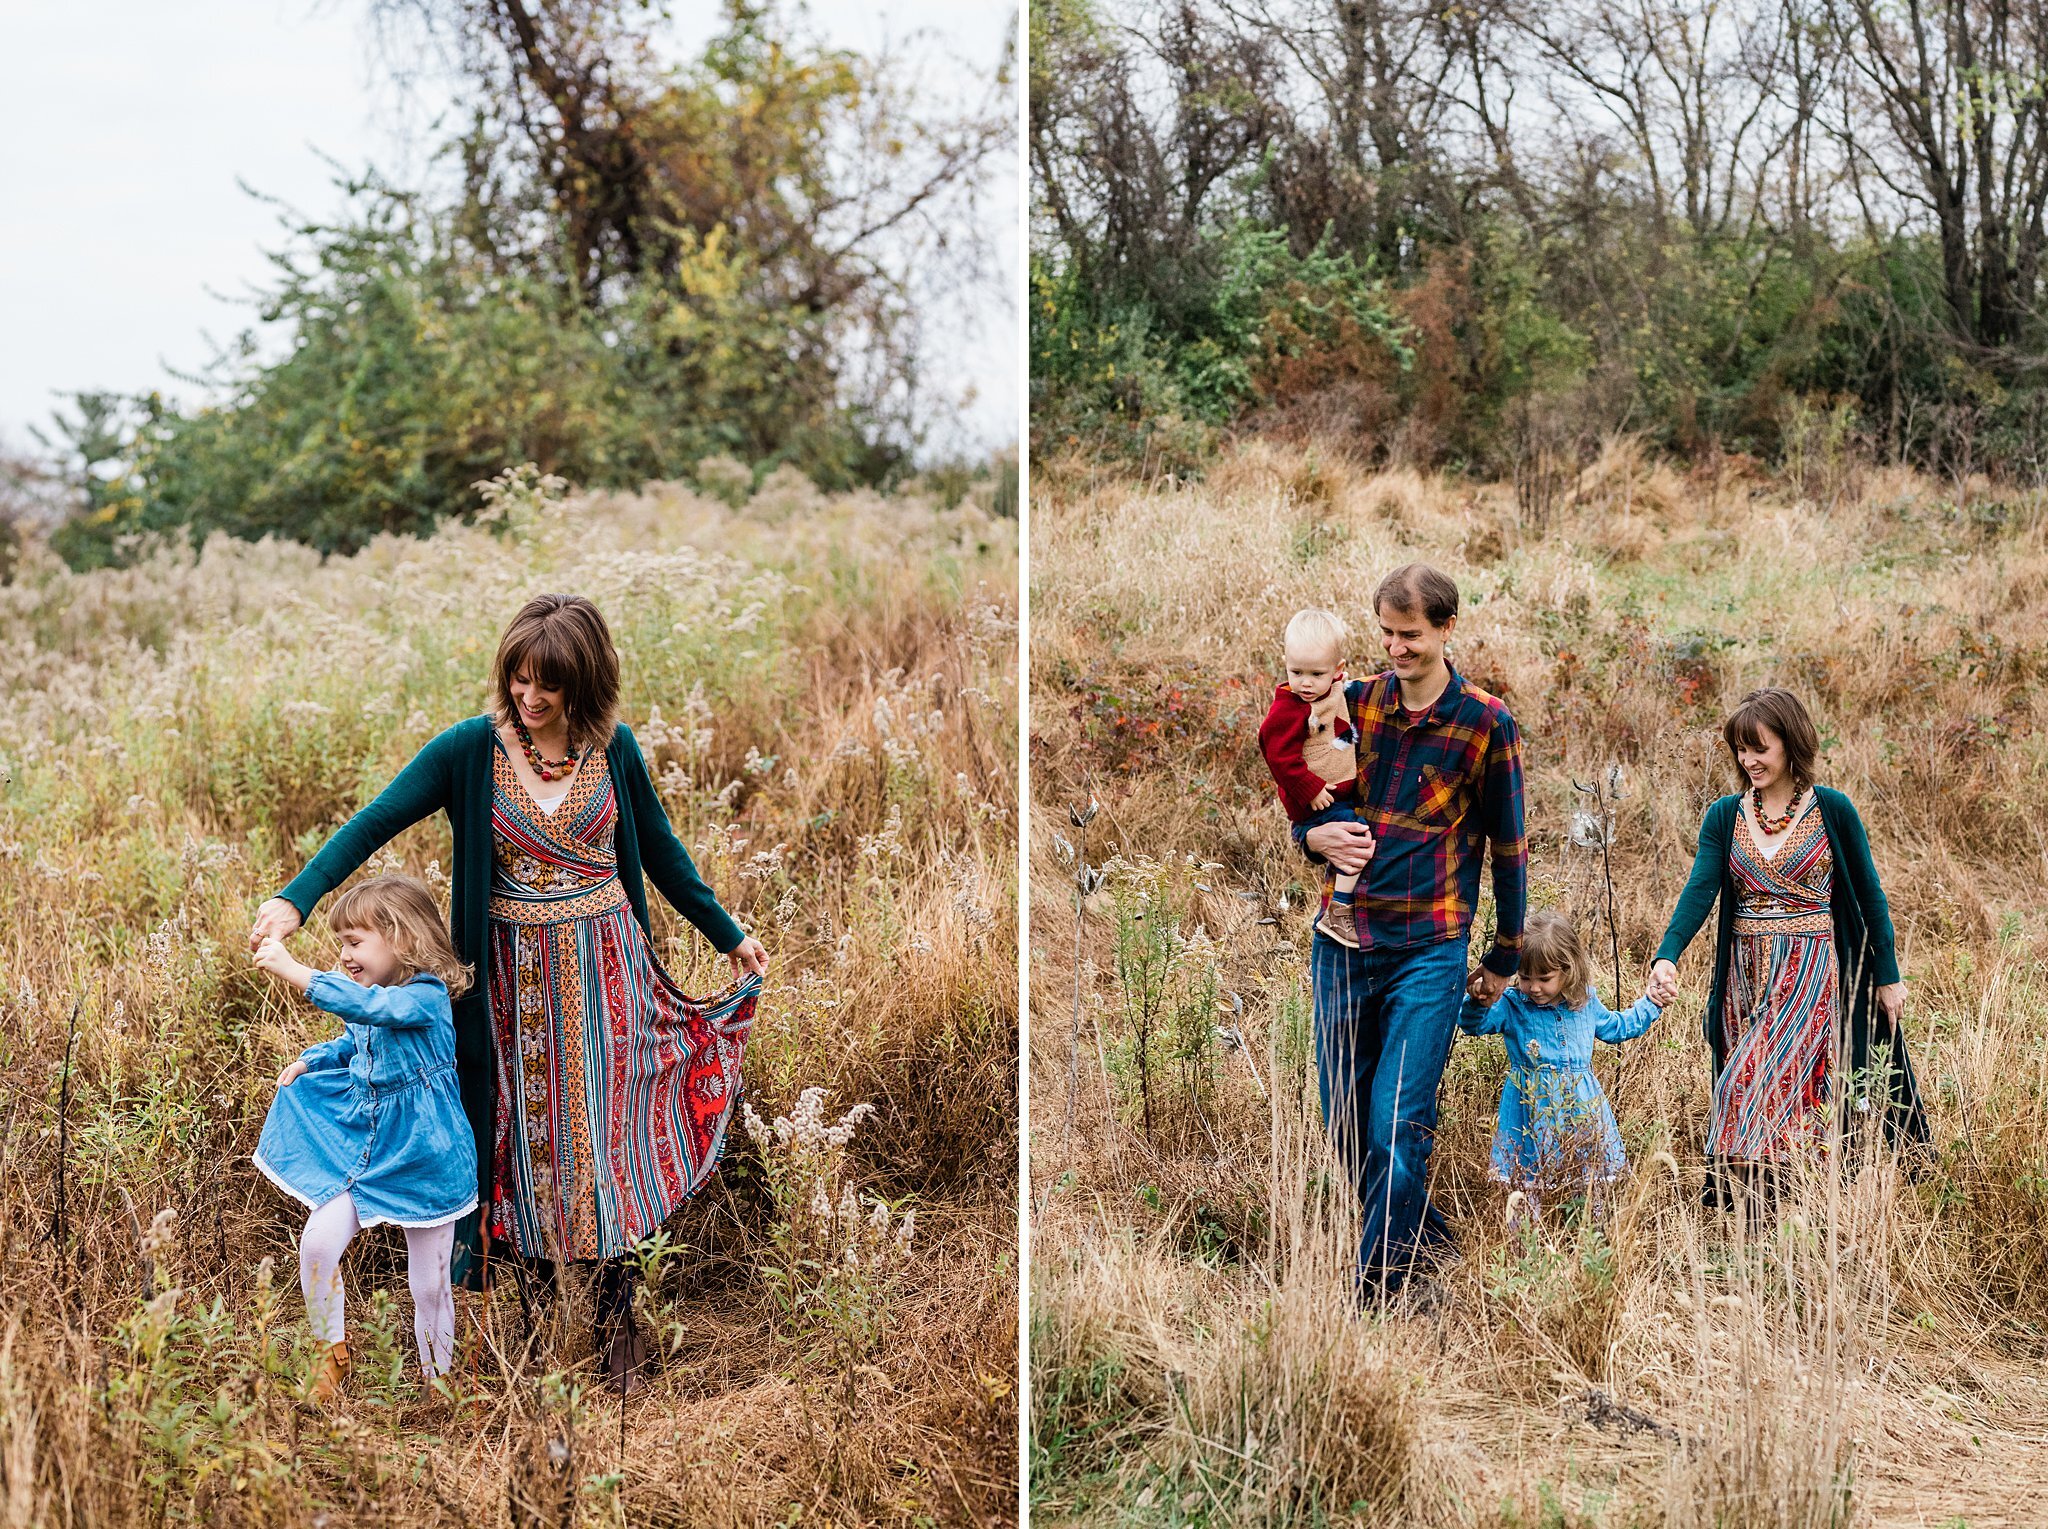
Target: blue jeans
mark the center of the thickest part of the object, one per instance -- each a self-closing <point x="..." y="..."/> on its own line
<point x="1384" y="1020"/>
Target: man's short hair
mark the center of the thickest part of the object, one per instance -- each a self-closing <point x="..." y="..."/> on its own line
<point x="1418" y="587"/>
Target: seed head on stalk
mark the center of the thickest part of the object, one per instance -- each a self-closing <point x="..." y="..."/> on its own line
<point x="1593" y="827"/>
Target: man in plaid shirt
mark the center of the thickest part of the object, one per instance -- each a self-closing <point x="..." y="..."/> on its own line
<point x="1439" y="777"/>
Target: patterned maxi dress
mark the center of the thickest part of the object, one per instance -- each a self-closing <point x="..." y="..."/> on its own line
<point x="614" y="1086"/>
<point x="1783" y="996"/>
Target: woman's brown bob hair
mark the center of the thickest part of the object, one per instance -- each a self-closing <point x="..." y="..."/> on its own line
<point x="1783" y="713"/>
<point x="562" y="643"/>
<point x="1550" y="944"/>
<point x="404" y="912"/>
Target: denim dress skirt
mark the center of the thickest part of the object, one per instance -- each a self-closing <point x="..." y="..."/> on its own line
<point x="378" y="1116"/>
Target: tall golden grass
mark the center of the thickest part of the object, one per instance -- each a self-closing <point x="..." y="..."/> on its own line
<point x="825" y="689"/>
<point x="1872" y="1354"/>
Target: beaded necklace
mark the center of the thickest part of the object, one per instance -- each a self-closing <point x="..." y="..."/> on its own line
<point x="1769" y="825"/>
<point x="546" y="769"/>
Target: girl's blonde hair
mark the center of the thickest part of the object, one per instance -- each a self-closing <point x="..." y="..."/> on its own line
<point x="1550" y="944"/>
<point x="1316" y="631"/>
<point x="404" y="913"/>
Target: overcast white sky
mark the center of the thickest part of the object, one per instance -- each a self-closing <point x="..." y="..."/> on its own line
<point x="125" y="238"/>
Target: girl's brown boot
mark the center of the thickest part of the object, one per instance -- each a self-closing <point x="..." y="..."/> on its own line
<point x="333" y="1370"/>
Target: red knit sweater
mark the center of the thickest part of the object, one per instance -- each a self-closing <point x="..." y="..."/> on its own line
<point x="1281" y="736"/>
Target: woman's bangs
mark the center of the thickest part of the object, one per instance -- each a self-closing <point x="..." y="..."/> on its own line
<point x="546" y="659"/>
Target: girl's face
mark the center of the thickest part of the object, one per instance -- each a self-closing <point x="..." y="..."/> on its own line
<point x="539" y="707"/>
<point x="1541" y="988"/>
<point x="1765" y="763"/>
<point x="368" y="958"/>
<point x="1310" y="675"/>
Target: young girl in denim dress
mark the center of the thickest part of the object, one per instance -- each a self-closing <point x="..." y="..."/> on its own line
<point x="1556" y="1129"/>
<point x="368" y="1128"/>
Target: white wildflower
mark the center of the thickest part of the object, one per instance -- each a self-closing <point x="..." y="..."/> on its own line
<point x="756" y="1127"/>
<point x="161" y="1233"/>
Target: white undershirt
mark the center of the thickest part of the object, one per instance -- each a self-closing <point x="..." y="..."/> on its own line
<point x="548" y="804"/>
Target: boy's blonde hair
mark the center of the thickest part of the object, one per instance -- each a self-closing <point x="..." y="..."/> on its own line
<point x="1550" y="944"/>
<point x="404" y="912"/>
<point x="1316" y="631"/>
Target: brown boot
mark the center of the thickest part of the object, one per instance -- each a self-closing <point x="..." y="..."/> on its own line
<point x="626" y="1357"/>
<point x="327" y="1379"/>
<point x="1340" y="923"/>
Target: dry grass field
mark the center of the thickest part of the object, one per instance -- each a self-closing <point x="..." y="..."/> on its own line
<point x="1875" y="1355"/>
<point x="835" y="682"/>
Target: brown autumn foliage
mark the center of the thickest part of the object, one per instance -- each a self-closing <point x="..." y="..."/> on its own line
<point x="1873" y="1355"/>
<point x="824" y="686"/>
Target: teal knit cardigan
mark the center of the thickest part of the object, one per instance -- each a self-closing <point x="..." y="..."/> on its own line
<point x="452" y="773"/>
<point x="1865" y="950"/>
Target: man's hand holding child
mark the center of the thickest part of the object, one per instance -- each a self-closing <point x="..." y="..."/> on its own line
<point x="1348" y="847"/>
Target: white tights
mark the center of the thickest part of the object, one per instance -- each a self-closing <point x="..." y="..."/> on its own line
<point x="428" y="1250"/>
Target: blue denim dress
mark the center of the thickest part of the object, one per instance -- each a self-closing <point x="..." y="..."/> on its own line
<point x="378" y="1115"/>
<point x="1556" y="1126"/>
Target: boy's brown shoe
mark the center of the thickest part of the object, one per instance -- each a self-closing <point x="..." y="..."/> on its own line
<point x="1340" y="923"/>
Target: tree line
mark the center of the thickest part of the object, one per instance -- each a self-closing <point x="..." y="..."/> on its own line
<point x="1471" y="231"/>
<point x="624" y="266"/>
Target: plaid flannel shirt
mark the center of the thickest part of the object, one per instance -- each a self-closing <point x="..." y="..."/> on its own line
<point x="1435" y="792"/>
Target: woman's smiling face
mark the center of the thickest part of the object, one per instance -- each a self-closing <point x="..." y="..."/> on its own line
<point x="540" y="708"/>
<point x="1764" y="761"/>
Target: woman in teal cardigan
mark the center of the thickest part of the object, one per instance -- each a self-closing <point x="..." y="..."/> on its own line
<point x="1806" y="977"/>
<point x="597" y="1091"/>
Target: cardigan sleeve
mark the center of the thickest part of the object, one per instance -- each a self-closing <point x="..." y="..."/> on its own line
<point x="1861" y="870"/>
<point x="1709" y="861"/>
<point x="421" y="788"/>
<point x="1354" y="694"/>
<point x="1280" y="740"/>
<point x="667" y="863"/>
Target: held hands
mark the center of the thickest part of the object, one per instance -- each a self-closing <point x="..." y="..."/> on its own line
<point x="749" y="956"/>
<point x="275" y="920"/>
<point x="1663" y="985"/>
<point x="1348" y="847"/>
<point x="295" y="1069"/>
<point x="1485" y="986"/>
<point x="272" y="957"/>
